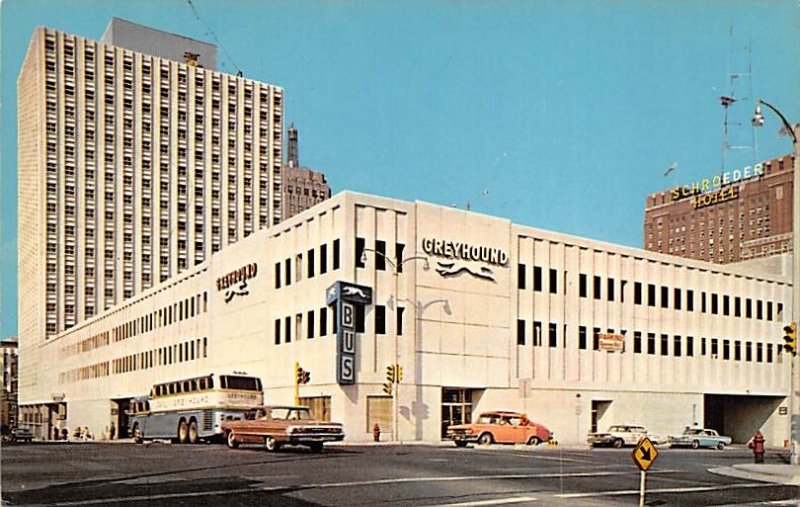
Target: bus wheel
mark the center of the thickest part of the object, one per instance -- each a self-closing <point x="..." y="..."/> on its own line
<point x="183" y="432"/>
<point x="193" y="438"/>
<point x="231" y="439"/>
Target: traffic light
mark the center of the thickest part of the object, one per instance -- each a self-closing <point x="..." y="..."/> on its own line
<point x="306" y="377"/>
<point x="299" y="374"/>
<point x="399" y="373"/>
<point x="387" y="388"/>
<point x="391" y="374"/>
<point x="790" y="337"/>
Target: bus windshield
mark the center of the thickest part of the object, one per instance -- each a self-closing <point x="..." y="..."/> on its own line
<point x="241" y="383"/>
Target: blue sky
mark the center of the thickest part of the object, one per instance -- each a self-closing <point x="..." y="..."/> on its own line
<point x="568" y="113"/>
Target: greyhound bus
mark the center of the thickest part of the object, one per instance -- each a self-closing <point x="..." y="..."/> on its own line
<point x="192" y="409"/>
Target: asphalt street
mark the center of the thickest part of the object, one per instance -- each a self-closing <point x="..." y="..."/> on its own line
<point x="67" y="474"/>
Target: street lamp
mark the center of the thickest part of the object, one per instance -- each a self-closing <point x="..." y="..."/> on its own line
<point x="397" y="266"/>
<point x="793" y="131"/>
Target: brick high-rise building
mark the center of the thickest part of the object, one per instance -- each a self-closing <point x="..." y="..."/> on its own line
<point x="730" y="217"/>
<point x="302" y="187"/>
<point x="132" y="168"/>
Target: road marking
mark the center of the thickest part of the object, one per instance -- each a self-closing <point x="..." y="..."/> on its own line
<point x="399" y="480"/>
<point x="496" y="501"/>
<point x="696" y="489"/>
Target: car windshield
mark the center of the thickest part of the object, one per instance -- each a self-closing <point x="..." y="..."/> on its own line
<point x="693" y="432"/>
<point x="618" y="429"/>
<point x="290" y="413"/>
<point x="488" y="419"/>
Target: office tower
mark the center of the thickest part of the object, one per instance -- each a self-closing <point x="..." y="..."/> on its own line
<point x="302" y="187"/>
<point x="737" y="215"/>
<point x="132" y="168"/>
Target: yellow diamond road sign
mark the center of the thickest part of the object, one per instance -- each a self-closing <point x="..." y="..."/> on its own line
<point x="644" y="454"/>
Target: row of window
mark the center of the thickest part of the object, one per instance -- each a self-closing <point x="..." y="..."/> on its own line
<point x="713" y="303"/>
<point x="677" y="346"/>
<point x="316" y="323"/>
<point x="311" y="265"/>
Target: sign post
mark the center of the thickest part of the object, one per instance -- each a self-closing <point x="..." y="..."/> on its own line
<point x="644" y="454"/>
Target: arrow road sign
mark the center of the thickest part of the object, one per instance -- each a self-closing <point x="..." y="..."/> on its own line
<point x="644" y="454"/>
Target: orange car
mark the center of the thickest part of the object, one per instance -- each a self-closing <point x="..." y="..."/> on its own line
<point x="500" y="427"/>
<point x="277" y="426"/>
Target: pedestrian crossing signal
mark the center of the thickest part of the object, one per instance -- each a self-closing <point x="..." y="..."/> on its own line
<point x="790" y="338"/>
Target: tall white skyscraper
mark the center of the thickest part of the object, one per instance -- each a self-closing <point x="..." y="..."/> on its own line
<point x="132" y="168"/>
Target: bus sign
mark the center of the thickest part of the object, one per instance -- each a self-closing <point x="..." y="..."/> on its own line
<point x="346" y="297"/>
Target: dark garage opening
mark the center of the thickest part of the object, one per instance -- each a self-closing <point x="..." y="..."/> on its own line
<point x="738" y="416"/>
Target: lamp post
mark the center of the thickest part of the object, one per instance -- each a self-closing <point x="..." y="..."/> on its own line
<point x="397" y="266"/>
<point x="793" y="131"/>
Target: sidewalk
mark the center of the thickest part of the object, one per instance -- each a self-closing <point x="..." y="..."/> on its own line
<point x="774" y="471"/>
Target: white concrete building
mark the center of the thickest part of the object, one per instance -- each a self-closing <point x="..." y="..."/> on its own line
<point x="133" y="168"/>
<point x="506" y="317"/>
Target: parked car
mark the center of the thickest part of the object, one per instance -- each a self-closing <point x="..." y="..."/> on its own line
<point x="21" y="435"/>
<point x="501" y="428"/>
<point x="619" y="435"/>
<point x="275" y="426"/>
<point x="699" y="437"/>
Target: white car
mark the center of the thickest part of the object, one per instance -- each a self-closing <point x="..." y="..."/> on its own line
<point x="619" y="435"/>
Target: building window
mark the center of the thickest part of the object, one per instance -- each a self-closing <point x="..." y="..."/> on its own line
<point x="537" y="278"/>
<point x="310" y="324"/>
<point x="690" y="346"/>
<point x="553" y="282"/>
<point x="552" y="336"/>
<point x="726" y="305"/>
<point x="690" y="300"/>
<point x="323" y="259"/>
<point x="360" y="257"/>
<point x="637" y="293"/>
<point x="676" y="299"/>
<point x="521" y="276"/>
<point x="664" y="297"/>
<point x="714" y="304"/>
<point x="737" y="306"/>
<point x="651" y="294"/>
<point x="582" y="289"/>
<point x="610" y="289"/>
<point x="537" y="333"/>
<point x="398" y="255"/>
<point x="399" y="324"/>
<point x="277" y="275"/>
<point x="760" y="310"/>
<point x="748" y="308"/>
<point x="597" y="284"/>
<point x="287" y="332"/>
<point x="637" y="342"/>
<point x="310" y="263"/>
<point x="277" y="331"/>
<point x="714" y="348"/>
<point x="288" y="271"/>
<point x="380" y="255"/>
<point x="380" y="319"/>
<point x="323" y="321"/>
<point x="737" y="350"/>
<point x="582" y="337"/>
<point x="335" y="254"/>
<point x="596" y="338"/>
<point x="651" y="343"/>
<point x="520" y="332"/>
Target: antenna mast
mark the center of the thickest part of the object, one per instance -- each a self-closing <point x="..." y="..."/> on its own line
<point x="740" y="88"/>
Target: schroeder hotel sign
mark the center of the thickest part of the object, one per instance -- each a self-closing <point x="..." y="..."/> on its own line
<point x="717" y="189"/>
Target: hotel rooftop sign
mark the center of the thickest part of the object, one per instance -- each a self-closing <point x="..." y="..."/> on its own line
<point x="717" y="189"/>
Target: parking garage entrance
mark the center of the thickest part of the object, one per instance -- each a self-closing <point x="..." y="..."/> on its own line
<point x="738" y="416"/>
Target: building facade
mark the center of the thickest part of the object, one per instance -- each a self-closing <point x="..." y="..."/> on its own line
<point x="302" y="187"/>
<point x="481" y="314"/>
<point x="132" y="169"/>
<point x="8" y="393"/>
<point x="739" y="215"/>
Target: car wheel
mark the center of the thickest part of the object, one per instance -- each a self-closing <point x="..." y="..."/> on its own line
<point x="271" y="444"/>
<point x="721" y="446"/>
<point x="695" y="444"/>
<point x="486" y="439"/>
<point x="193" y="437"/>
<point x="534" y="441"/>
<point x="316" y="447"/>
<point x="231" y="439"/>
<point x="461" y="443"/>
<point x="618" y="443"/>
<point x="183" y="432"/>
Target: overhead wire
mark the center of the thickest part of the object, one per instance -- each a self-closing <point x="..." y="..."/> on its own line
<point x="214" y="36"/>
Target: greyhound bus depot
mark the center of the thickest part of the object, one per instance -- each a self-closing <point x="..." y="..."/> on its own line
<point x="479" y="314"/>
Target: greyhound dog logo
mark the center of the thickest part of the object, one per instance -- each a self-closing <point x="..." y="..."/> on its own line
<point x="448" y="269"/>
<point x="353" y="291"/>
<point x="241" y="290"/>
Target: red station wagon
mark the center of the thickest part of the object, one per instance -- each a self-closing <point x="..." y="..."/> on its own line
<point x="501" y="428"/>
<point x="276" y="426"/>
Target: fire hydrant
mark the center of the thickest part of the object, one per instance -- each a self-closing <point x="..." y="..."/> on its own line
<point x="757" y="445"/>
<point x="376" y="433"/>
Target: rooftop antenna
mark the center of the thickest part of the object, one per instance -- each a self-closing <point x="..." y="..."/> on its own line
<point x="210" y="32"/>
<point x="740" y="88"/>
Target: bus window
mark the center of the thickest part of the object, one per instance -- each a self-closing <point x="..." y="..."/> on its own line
<point x="242" y="383"/>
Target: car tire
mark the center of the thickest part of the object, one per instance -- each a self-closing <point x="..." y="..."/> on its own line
<point x="695" y="444"/>
<point x="486" y="439"/>
<point x="230" y="438"/>
<point x="534" y="441"/>
<point x="183" y="432"/>
<point x="316" y="447"/>
<point x="193" y="436"/>
<point x="461" y="443"/>
<point x="721" y="446"/>
<point x="271" y="444"/>
<point x="618" y="443"/>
